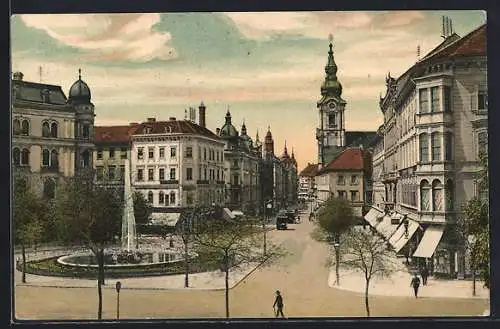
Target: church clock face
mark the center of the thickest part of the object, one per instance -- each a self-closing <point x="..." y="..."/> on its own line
<point x="331" y="105"/>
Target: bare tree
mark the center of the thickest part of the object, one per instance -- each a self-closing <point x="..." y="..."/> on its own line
<point x="232" y="244"/>
<point x="369" y="255"/>
<point x="184" y="229"/>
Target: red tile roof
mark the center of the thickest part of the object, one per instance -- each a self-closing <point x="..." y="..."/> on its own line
<point x="473" y="44"/>
<point x="113" y="134"/>
<point x="310" y="170"/>
<point x="174" y="127"/>
<point x="350" y="159"/>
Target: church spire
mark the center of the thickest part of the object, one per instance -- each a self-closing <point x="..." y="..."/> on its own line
<point x="331" y="86"/>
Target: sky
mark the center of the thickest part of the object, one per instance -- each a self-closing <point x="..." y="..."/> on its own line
<point x="265" y="67"/>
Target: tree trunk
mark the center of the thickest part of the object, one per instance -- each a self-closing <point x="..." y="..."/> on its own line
<point x="100" y="264"/>
<point x="265" y="237"/>
<point x="186" y="266"/>
<point x="367" y="306"/>
<point x="473" y="280"/>
<point x="23" y="249"/>
<point x="227" y="288"/>
<point x="337" y="265"/>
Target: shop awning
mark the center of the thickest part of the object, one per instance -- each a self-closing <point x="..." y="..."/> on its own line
<point x="385" y="227"/>
<point x="371" y="216"/>
<point x="169" y="218"/>
<point x="429" y="242"/>
<point x="398" y="240"/>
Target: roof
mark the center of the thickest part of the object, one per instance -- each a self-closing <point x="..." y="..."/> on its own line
<point x="113" y="134"/>
<point x="33" y="92"/>
<point x="473" y="44"/>
<point x="350" y="159"/>
<point x="174" y="127"/>
<point x="310" y="170"/>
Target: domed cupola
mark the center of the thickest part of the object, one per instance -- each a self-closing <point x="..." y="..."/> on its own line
<point x="331" y="86"/>
<point x="228" y="130"/>
<point x="247" y="140"/>
<point x="79" y="93"/>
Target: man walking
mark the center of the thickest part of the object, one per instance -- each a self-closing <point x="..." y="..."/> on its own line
<point x="424" y="272"/>
<point x="278" y="304"/>
<point x="415" y="283"/>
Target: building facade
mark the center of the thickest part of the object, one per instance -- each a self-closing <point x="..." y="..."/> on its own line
<point x="435" y="127"/>
<point x="52" y="135"/>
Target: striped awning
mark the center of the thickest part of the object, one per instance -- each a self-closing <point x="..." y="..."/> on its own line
<point x="372" y="215"/>
<point x="385" y="227"/>
<point x="398" y="240"/>
<point x="429" y="242"/>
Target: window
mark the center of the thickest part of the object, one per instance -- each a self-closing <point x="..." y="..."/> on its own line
<point x="189" y="152"/>
<point x="140" y="175"/>
<point x="111" y="172"/>
<point x="45" y="129"/>
<point x="354" y="196"/>
<point x="151" y="153"/>
<point x="189" y="173"/>
<point x="447" y="99"/>
<point x="123" y="153"/>
<point x="354" y="180"/>
<point x="16" y="127"/>
<point x="199" y="152"/>
<point x="86" y="131"/>
<point x="425" y="189"/>
<point x="25" y="128"/>
<point x="172" y="197"/>
<point x="435" y="99"/>
<point x="45" y="158"/>
<point x="342" y="194"/>
<point x="162" y="173"/>
<point x="331" y="120"/>
<point x="162" y="152"/>
<point x="122" y="172"/>
<point x="173" y="152"/>
<point x="436" y="146"/>
<point x="111" y="153"/>
<point x="236" y="179"/>
<point x="54" y="159"/>
<point x="16" y="157"/>
<point x="99" y="173"/>
<point x="150" y="197"/>
<point x="424" y="147"/>
<point x="424" y="100"/>
<point x="482" y="100"/>
<point x="205" y="173"/>
<point x="53" y="129"/>
<point x="140" y="153"/>
<point x="161" y="198"/>
<point x="449" y="195"/>
<point x="25" y="157"/>
<point x="437" y="195"/>
<point x="172" y="173"/>
<point x="217" y="156"/>
<point x="151" y="174"/>
<point x="340" y="180"/>
<point x="204" y="153"/>
<point x="99" y="154"/>
<point x="218" y="175"/>
<point x="448" y="146"/>
<point x="482" y="142"/>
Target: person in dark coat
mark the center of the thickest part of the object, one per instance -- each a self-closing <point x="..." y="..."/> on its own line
<point x="278" y="304"/>
<point x="415" y="283"/>
<point x="424" y="272"/>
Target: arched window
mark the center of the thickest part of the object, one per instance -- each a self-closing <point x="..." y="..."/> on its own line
<point x="449" y="191"/>
<point x="172" y="198"/>
<point x="45" y="158"/>
<point x="424" y="147"/>
<point x="437" y="195"/>
<point x="45" y="129"/>
<point x="25" y="127"/>
<point x="331" y="120"/>
<point x="49" y="187"/>
<point x="448" y="146"/>
<point x="436" y="146"/>
<point x="16" y="157"/>
<point x="161" y="198"/>
<point x="150" y="197"/>
<point x="54" y="161"/>
<point x="16" y="127"/>
<point x="25" y="157"/>
<point x="85" y="161"/>
<point x="53" y="130"/>
<point x="425" y="190"/>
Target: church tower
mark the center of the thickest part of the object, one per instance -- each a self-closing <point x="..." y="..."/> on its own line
<point x="331" y="131"/>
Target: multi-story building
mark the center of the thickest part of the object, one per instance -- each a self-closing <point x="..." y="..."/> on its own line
<point x="377" y="160"/>
<point x="435" y="127"/>
<point x="346" y="177"/>
<point x="52" y="134"/>
<point x="307" y="184"/>
<point x="177" y="163"/>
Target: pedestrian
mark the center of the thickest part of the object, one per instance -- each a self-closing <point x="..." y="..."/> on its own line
<point x="278" y="304"/>
<point x="415" y="283"/>
<point x="424" y="273"/>
<point x="18" y="260"/>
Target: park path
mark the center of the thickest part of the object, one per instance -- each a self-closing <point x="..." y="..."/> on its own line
<point x="301" y="276"/>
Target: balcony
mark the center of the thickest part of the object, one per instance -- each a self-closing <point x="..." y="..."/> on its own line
<point x="169" y="182"/>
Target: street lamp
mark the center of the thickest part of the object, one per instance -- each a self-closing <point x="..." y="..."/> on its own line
<point x="336" y="245"/>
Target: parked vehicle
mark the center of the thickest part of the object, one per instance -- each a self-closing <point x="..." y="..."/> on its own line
<point x="281" y="222"/>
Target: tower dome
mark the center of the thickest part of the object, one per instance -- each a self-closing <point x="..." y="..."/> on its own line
<point x="247" y="140"/>
<point x="331" y="86"/>
<point x="79" y="93"/>
<point x="228" y="130"/>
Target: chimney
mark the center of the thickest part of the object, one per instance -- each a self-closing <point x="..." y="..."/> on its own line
<point x="201" y="114"/>
<point x="172" y="118"/>
<point x="151" y="119"/>
<point x="217" y="131"/>
<point x="18" y="76"/>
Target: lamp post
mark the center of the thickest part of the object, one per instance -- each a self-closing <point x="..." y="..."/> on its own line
<point x="118" y="287"/>
<point x="336" y="245"/>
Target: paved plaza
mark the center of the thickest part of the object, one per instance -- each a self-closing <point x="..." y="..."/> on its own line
<point x="302" y="276"/>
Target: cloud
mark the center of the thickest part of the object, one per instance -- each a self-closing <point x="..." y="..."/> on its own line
<point x="110" y="37"/>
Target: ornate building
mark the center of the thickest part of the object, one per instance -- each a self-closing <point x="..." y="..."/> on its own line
<point x="435" y="127"/>
<point x="53" y="136"/>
